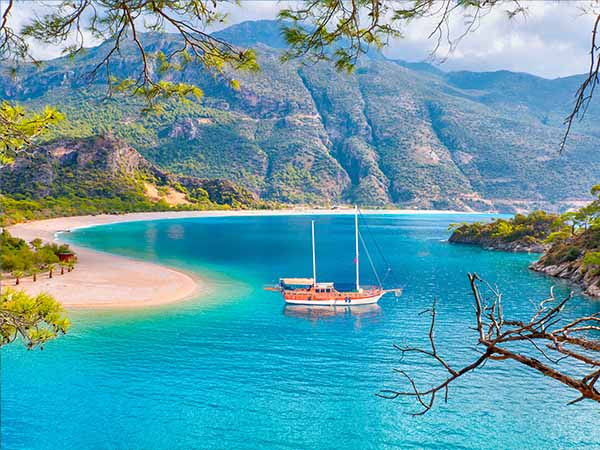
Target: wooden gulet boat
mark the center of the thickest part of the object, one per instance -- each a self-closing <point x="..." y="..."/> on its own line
<point x="307" y="291"/>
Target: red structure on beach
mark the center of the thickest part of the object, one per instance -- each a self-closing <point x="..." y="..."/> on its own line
<point x="66" y="257"/>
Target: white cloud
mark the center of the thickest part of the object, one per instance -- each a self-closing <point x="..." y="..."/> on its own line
<point x="23" y="12"/>
<point x="552" y="41"/>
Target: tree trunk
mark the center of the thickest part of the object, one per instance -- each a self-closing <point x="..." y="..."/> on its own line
<point x="34" y="277"/>
<point x="50" y="274"/>
<point x="62" y="270"/>
<point x="17" y="281"/>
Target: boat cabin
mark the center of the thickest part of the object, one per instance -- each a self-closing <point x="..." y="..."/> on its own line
<point x="292" y="284"/>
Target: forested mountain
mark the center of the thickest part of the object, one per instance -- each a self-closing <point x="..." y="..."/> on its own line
<point x="390" y="133"/>
<point x="104" y="175"/>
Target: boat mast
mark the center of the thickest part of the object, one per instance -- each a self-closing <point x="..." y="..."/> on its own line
<point x="356" y="242"/>
<point x="313" y="255"/>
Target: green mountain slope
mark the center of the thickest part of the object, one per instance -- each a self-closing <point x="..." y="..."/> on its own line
<point x="104" y="175"/>
<point x="390" y="133"/>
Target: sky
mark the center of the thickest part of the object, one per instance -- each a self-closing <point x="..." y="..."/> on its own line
<point x="552" y="40"/>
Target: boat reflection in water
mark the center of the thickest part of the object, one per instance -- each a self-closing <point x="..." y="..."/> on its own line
<point x="324" y="313"/>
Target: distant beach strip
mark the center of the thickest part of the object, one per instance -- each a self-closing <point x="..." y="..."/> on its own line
<point x="103" y="280"/>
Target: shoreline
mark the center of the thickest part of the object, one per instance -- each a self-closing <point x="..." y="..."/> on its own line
<point x="76" y="222"/>
<point x="106" y="280"/>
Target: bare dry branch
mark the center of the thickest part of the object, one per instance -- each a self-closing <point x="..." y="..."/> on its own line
<point x="586" y="90"/>
<point x="496" y="335"/>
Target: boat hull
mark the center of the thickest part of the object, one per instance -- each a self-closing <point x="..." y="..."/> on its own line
<point x="336" y="301"/>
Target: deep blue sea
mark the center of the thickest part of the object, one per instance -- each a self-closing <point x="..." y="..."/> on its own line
<point x="236" y="369"/>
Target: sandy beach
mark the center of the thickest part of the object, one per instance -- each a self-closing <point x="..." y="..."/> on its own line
<point x="102" y="280"/>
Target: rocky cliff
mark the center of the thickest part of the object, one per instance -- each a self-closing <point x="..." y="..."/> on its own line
<point x="576" y="259"/>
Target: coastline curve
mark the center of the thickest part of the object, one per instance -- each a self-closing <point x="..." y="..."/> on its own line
<point x="106" y="280"/>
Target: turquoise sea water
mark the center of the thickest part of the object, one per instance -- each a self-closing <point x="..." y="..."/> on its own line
<point x="236" y="369"/>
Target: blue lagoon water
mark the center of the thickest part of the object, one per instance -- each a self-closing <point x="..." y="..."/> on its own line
<point x="236" y="369"/>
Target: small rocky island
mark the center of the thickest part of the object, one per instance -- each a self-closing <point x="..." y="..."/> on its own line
<point x="569" y="243"/>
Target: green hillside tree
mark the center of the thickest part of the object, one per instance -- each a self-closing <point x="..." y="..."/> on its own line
<point x="586" y="216"/>
<point x="51" y="268"/>
<point x="18" y="274"/>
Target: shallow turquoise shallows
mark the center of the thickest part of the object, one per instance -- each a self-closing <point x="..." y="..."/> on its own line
<point x="236" y="369"/>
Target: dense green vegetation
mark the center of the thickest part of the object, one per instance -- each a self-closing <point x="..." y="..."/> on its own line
<point x="104" y="175"/>
<point x="533" y="228"/>
<point x="15" y="209"/>
<point x="389" y="133"/>
<point x="20" y="259"/>
<point x="579" y="238"/>
<point x="576" y="258"/>
<point x="33" y="319"/>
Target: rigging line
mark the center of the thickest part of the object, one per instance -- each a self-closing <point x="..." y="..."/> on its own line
<point x="387" y="274"/>
<point x="381" y="254"/>
<point x="370" y="260"/>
